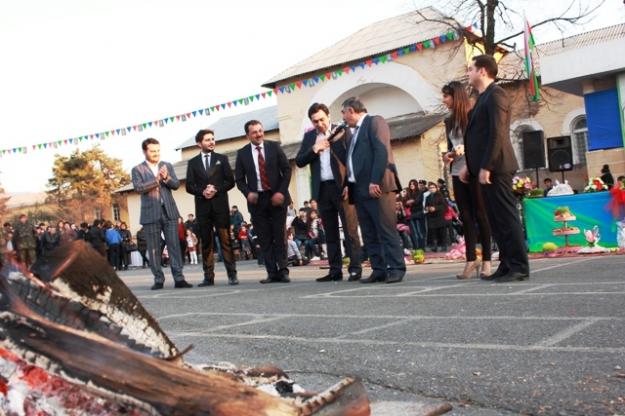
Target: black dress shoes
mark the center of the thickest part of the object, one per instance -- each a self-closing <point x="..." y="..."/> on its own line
<point x="374" y="278"/>
<point x="354" y="277"/>
<point x="156" y="286"/>
<point x="512" y="277"/>
<point x="207" y="282"/>
<point x="330" y="278"/>
<point x="491" y="277"/>
<point x="183" y="284"/>
<point x="395" y="278"/>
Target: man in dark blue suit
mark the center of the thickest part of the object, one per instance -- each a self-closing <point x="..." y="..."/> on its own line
<point x="209" y="178"/>
<point x="372" y="184"/>
<point x="491" y="160"/>
<point x="154" y="180"/>
<point x="328" y="175"/>
<point x="262" y="174"/>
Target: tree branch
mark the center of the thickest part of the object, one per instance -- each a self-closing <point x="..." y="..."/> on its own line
<point x="558" y="19"/>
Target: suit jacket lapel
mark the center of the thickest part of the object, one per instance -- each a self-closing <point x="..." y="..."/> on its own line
<point x="148" y="170"/>
<point x="364" y="127"/>
<point x="251" y="167"/>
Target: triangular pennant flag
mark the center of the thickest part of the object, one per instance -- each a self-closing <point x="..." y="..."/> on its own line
<point x="369" y="62"/>
<point x="322" y="77"/>
<point x="217" y="108"/>
<point x="383" y="59"/>
<point x="299" y="85"/>
<point x="339" y="72"/>
<point x="150" y="124"/>
<point x="184" y="117"/>
<point x="269" y="93"/>
<point x="437" y="41"/>
<point x="188" y="115"/>
<point x="263" y="94"/>
<point x="195" y="113"/>
<point x="246" y="101"/>
<point x="178" y="117"/>
<point x="451" y="35"/>
<point x="145" y="126"/>
<point x="292" y="85"/>
<point x="395" y="54"/>
<point x="97" y="135"/>
<point x="161" y="123"/>
<point x="229" y="103"/>
<point x="206" y="112"/>
<point x="376" y="60"/>
<point x="200" y="111"/>
<point x="251" y="98"/>
<point x="257" y="97"/>
<point x="65" y="141"/>
<point x="166" y="120"/>
<point x="235" y="102"/>
<point x="223" y="106"/>
<point x="346" y="69"/>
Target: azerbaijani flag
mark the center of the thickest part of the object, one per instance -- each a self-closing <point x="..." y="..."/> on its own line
<point x="529" y="62"/>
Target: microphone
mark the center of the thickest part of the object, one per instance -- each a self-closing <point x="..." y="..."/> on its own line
<point x="336" y="134"/>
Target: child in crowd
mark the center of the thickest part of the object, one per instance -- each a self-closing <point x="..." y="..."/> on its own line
<point x="192" y="246"/>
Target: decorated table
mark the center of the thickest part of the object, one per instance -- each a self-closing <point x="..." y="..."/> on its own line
<point x="544" y="222"/>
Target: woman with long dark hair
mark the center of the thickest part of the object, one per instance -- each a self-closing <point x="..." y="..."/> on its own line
<point x="468" y="196"/>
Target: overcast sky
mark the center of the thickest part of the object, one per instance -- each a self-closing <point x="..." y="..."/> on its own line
<point x="73" y="67"/>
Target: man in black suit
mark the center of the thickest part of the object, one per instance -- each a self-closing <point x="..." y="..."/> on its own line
<point x="372" y="184"/>
<point x="209" y="178"/>
<point x="262" y="174"/>
<point x="328" y="175"/>
<point x="491" y="160"/>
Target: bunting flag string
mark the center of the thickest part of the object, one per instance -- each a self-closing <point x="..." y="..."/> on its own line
<point x="123" y="131"/>
<point x="384" y="58"/>
<point x="285" y="88"/>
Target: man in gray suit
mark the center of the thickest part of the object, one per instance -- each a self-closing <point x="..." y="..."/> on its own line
<point x="154" y="180"/>
<point x="372" y="184"/>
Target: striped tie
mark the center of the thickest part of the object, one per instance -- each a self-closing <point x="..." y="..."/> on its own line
<point x="264" y="180"/>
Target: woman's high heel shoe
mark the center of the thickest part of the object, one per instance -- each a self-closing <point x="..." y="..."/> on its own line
<point x="469" y="268"/>
<point x="486" y="270"/>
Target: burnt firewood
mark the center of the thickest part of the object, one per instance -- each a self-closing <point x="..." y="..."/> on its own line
<point x="71" y="325"/>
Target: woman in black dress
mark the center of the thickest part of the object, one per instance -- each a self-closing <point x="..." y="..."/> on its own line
<point x="467" y="196"/>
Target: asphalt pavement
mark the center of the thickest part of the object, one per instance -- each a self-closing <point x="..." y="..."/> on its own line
<point x="552" y="345"/>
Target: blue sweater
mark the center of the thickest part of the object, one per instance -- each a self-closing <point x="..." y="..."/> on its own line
<point x="113" y="237"/>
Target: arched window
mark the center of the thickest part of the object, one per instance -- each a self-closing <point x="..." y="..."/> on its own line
<point x="579" y="137"/>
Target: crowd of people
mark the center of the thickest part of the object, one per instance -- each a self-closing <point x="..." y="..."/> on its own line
<point x="358" y="209"/>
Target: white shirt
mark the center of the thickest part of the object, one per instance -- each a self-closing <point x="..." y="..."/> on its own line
<point x="154" y="168"/>
<point x="259" y="186"/>
<point x="324" y="159"/>
<point x="350" y="166"/>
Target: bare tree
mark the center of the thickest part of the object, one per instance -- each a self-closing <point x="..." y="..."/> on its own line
<point x="500" y="22"/>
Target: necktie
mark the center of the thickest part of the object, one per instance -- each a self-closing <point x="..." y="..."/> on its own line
<point x="207" y="161"/>
<point x="264" y="180"/>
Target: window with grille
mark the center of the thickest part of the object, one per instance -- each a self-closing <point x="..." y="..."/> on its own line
<point x="116" y="215"/>
<point x="579" y="131"/>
